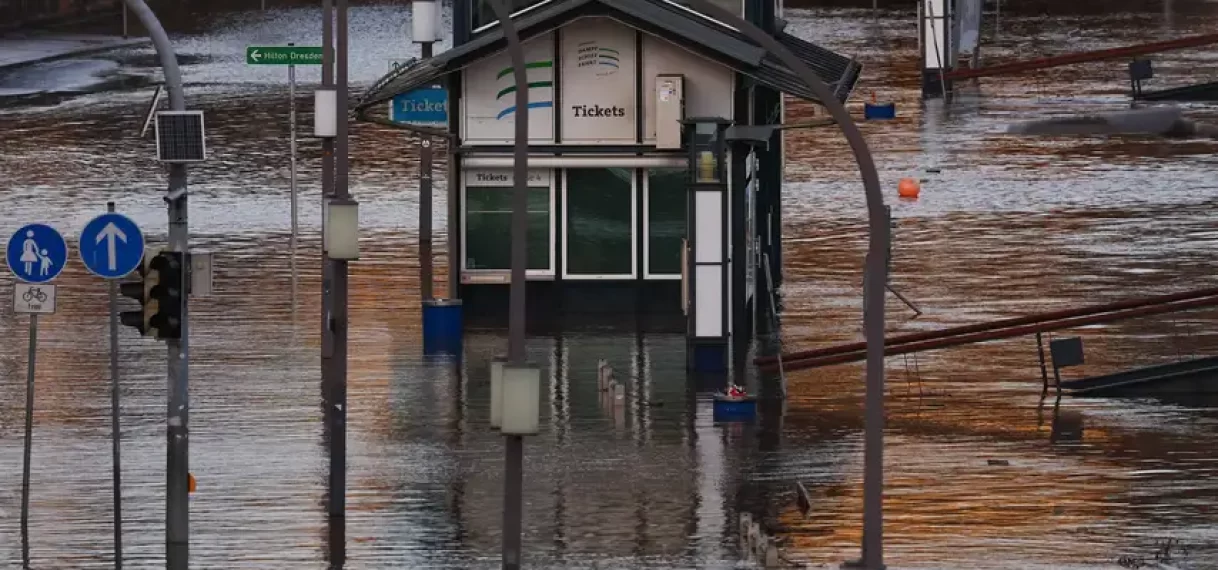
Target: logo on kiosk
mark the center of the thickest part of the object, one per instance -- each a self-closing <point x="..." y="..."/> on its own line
<point x="541" y="83"/>
<point x="604" y="61"/>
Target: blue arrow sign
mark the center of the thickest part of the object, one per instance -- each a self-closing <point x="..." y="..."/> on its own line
<point x="111" y="245"/>
<point x="36" y="253"/>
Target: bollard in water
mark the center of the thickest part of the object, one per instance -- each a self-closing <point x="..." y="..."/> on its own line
<point x="771" y="559"/>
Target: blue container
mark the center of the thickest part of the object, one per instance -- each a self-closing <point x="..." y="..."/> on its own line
<point x="873" y="111"/>
<point x="443" y="327"/>
<point x="730" y="410"/>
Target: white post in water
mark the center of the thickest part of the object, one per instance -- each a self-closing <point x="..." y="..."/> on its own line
<point x="935" y="29"/>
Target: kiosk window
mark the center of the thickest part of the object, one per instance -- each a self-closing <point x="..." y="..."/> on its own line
<point x="600" y="221"/>
<point x="488" y="228"/>
<point x="666" y="200"/>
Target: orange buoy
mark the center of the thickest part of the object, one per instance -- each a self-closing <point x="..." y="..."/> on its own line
<point x="908" y="188"/>
<point x="190" y="482"/>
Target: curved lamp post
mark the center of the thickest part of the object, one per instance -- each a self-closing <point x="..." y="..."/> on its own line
<point x="875" y="276"/>
<point x="177" y="471"/>
<point x="513" y="482"/>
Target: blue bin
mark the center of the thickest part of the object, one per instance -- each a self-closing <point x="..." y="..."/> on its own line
<point x="443" y="327"/>
<point x="729" y="410"/>
<point x="873" y="111"/>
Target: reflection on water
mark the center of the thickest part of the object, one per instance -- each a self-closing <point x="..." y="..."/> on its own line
<point x="981" y="473"/>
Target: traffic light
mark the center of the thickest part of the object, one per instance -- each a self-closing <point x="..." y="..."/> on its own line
<point x="159" y="292"/>
<point x="165" y="288"/>
<point x="139" y="290"/>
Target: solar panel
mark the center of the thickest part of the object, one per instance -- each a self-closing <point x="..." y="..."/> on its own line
<point x="180" y="136"/>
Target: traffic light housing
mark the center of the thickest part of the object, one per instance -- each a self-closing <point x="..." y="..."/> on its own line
<point x="165" y="289"/>
<point x="139" y="290"/>
<point x="159" y="292"/>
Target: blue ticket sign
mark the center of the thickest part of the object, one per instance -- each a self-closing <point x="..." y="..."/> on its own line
<point x="426" y="106"/>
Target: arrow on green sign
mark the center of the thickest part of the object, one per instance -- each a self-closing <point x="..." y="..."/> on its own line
<point x="283" y="55"/>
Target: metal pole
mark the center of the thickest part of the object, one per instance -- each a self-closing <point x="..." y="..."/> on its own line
<point x="29" y="442"/>
<point x="124" y="21"/>
<point x="177" y="494"/>
<point x="425" y="175"/>
<point x="329" y="376"/>
<point x="876" y="273"/>
<point x="338" y="411"/>
<point x="513" y="501"/>
<point x="292" y="172"/>
<point x="327" y="190"/>
<point x="1044" y="372"/>
<point x="115" y="433"/>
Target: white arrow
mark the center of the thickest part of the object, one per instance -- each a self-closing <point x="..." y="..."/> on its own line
<point x="111" y="233"/>
<point x="255" y="55"/>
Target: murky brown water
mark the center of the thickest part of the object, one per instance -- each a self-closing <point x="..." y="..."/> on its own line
<point x="1005" y="227"/>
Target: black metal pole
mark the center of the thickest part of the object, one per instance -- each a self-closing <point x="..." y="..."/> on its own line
<point x="334" y="283"/>
<point x="425" y="175"/>
<point x="513" y="501"/>
<point x="338" y="411"/>
<point x="327" y="191"/>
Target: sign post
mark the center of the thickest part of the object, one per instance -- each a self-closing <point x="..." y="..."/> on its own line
<point x="36" y="254"/>
<point x="112" y="246"/>
<point x="426" y="106"/>
<point x="291" y="56"/>
<point x="292" y="175"/>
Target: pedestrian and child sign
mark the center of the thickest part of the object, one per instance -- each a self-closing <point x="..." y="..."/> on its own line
<point x="283" y="55"/>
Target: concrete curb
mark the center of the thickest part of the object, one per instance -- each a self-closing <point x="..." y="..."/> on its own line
<point x="75" y="52"/>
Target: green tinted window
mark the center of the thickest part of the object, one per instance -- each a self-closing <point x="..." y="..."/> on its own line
<point x="666" y="200"/>
<point x="599" y="221"/>
<point x="488" y="228"/>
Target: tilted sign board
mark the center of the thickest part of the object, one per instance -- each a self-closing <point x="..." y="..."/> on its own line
<point x="426" y="106"/>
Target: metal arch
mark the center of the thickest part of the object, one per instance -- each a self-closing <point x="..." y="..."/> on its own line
<point x="875" y="276"/>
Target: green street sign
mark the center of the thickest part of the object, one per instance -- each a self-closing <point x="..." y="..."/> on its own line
<point x="283" y="55"/>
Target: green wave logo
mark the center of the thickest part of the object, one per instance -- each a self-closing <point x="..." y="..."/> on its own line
<point x="511" y="89"/>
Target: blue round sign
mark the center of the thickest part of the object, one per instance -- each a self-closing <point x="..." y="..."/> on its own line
<point x="36" y="253"/>
<point x="111" y="246"/>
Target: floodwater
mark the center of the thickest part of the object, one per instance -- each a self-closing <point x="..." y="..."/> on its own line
<point x="981" y="473"/>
